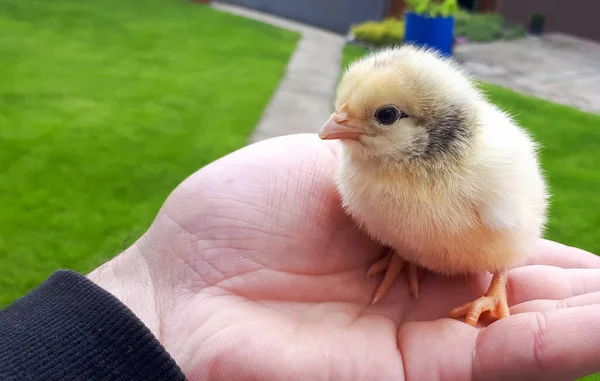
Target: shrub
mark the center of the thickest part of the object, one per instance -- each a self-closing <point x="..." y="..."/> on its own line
<point x="386" y="32"/>
<point x="476" y="27"/>
<point x="480" y="27"/>
<point x="515" y="32"/>
<point x="536" y="24"/>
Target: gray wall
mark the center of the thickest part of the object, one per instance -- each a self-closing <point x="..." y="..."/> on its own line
<point x="334" y="15"/>
<point x="576" y="17"/>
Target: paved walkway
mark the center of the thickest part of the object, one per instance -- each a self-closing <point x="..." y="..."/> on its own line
<point x="556" y="67"/>
<point x="304" y="98"/>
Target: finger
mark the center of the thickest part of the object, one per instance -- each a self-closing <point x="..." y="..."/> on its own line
<point x="549" y="305"/>
<point x="556" y="254"/>
<point x="563" y="344"/>
<point x="549" y="282"/>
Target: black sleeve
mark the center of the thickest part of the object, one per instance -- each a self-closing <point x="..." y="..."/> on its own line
<point x="71" y="329"/>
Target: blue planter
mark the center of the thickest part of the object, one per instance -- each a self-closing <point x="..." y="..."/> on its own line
<point x="432" y="32"/>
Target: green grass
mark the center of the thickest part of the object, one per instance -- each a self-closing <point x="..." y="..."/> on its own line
<point x="570" y="154"/>
<point x="352" y="53"/>
<point x="105" y="106"/>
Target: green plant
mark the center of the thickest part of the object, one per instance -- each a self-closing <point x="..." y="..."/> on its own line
<point x="433" y="8"/>
<point x="386" y="32"/>
<point x="479" y="27"/>
<point x="537" y="23"/>
<point x="446" y="8"/>
<point x="485" y="27"/>
<point x="538" y="18"/>
<point x="515" y="32"/>
<point x="418" y="6"/>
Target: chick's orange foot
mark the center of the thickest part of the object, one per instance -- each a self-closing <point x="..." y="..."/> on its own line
<point x="393" y="264"/>
<point x="494" y="302"/>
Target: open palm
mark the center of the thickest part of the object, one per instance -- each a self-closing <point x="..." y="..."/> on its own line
<point x="258" y="274"/>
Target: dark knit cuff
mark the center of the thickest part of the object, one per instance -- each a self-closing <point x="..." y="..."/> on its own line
<point x="71" y="329"/>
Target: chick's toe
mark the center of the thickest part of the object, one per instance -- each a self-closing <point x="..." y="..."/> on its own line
<point x="393" y="265"/>
<point x="392" y="270"/>
<point x="380" y="265"/>
<point x="413" y="280"/>
<point x="494" y="302"/>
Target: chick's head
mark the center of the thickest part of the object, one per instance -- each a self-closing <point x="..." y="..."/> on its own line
<point x="401" y="104"/>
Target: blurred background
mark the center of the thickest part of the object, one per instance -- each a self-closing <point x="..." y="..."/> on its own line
<point x="105" y="106"/>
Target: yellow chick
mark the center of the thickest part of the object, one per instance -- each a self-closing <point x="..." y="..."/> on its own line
<point x="434" y="171"/>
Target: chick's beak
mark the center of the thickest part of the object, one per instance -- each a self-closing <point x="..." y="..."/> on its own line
<point x="340" y="126"/>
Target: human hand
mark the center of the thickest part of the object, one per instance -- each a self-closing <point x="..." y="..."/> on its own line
<point x="252" y="270"/>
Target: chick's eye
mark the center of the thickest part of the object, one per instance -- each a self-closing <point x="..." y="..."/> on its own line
<point x="388" y="115"/>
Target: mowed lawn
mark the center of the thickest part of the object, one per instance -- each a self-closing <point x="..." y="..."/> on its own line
<point x="570" y="155"/>
<point x="105" y="106"/>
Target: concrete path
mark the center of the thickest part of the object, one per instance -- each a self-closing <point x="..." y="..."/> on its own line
<point x="556" y="67"/>
<point x="304" y="98"/>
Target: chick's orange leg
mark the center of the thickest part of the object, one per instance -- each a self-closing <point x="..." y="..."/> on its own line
<point x="393" y="264"/>
<point x="494" y="301"/>
<point x="413" y="280"/>
<point x="392" y="271"/>
<point x="380" y="265"/>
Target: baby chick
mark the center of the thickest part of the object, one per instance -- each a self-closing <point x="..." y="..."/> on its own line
<point x="432" y="170"/>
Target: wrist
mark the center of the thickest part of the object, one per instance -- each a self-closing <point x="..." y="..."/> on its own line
<point x="127" y="277"/>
